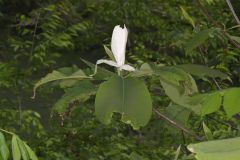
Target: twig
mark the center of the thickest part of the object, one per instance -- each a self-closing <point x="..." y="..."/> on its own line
<point x="178" y="125"/>
<point x="20" y="110"/>
<point x="184" y="143"/>
<point x="232" y="10"/>
<point x="8" y="132"/>
<point x="34" y="33"/>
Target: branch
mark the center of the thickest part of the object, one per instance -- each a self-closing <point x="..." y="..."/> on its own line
<point x="160" y="115"/>
<point x="232" y="10"/>
<point x="34" y="32"/>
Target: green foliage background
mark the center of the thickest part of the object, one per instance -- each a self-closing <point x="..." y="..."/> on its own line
<point x="40" y="36"/>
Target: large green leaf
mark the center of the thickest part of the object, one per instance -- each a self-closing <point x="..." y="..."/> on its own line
<point x="80" y="92"/>
<point x="4" y="151"/>
<point x="202" y="71"/>
<point x="227" y="149"/>
<point x="129" y="97"/>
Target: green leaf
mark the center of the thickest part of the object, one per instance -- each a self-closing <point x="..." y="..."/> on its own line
<point x="30" y="152"/>
<point x="207" y="132"/>
<point x="175" y="94"/>
<point x="178" y="113"/>
<point x="179" y="87"/>
<point x="227" y="149"/>
<point x="80" y="92"/>
<point x="109" y="53"/>
<point x="56" y="76"/>
<point x="198" y="39"/>
<point x="202" y="71"/>
<point x="211" y="102"/>
<point x="15" y="148"/>
<point x="23" y="149"/>
<point x="70" y="71"/>
<point x="177" y="153"/>
<point x="129" y="96"/>
<point x="171" y="75"/>
<point x="231" y="101"/>
<point x="145" y="70"/>
<point x="4" y="151"/>
<point x="187" y="17"/>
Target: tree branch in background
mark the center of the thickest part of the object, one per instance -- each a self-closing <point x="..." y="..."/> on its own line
<point x="185" y="130"/>
<point x="232" y="10"/>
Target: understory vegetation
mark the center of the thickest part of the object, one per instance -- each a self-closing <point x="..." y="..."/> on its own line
<point x="180" y="103"/>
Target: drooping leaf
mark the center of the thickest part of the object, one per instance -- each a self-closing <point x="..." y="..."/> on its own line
<point x="198" y="39"/>
<point x="23" y="150"/>
<point x="70" y="71"/>
<point x="80" y="92"/>
<point x="30" y="152"/>
<point x="202" y="71"/>
<point x="129" y="97"/>
<point x="227" y="149"/>
<point x="4" y="151"/>
<point x="15" y="148"/>
<point x="56" y="76"/>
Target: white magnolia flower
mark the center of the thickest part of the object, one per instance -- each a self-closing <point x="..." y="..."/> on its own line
<point x="118" y="46"/>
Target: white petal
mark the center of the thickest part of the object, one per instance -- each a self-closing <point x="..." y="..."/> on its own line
<point x="118" y="44"/>
<point x="127" y="68"/>
<point x="100" y="61"/>
<point x="109" y="62"/>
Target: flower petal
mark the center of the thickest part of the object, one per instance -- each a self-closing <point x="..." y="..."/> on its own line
<point x="127" y="67"/>
<point x="118" y="44"/>
<point x="100" y="61"/>
<point x="109" y="62"/>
